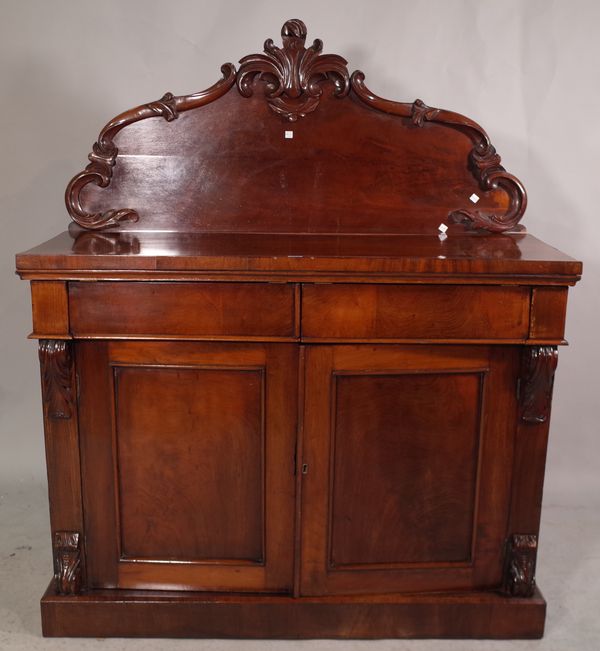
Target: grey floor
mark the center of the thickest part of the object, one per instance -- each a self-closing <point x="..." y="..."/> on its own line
<point x="568" y="574"/>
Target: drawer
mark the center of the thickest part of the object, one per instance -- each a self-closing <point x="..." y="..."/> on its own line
<point x="182" y="310"/>
<point x="415" y="312"/>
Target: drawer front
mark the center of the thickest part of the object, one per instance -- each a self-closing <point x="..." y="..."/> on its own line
<point x="182" y="310"/>
<point x="414" y="312"/>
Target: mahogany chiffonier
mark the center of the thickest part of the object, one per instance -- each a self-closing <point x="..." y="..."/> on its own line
<point x="297" y="358"/>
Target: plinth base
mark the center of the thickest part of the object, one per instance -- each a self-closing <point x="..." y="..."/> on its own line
<point x="130" y="613"/>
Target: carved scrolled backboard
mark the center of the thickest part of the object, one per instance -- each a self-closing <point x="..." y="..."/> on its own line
<point x="291" y="142"/>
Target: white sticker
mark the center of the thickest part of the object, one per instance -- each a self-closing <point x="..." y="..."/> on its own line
<point x="474" y="198"/>
<point x="442" y="237"/>
<point x="442" y="228"/>
<point x="289" y="134"/>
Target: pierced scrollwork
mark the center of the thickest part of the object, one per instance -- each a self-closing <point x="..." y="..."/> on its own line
<point x="57" y="377"/>
<point x="519" y="565"/>
<point x="104" y="152"/>
<point x="67" y="562"/>
<point x="294" y="73"/>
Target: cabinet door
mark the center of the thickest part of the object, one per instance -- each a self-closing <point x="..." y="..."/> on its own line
<point x="407" y="452"/>
<point x="188" y="463"/>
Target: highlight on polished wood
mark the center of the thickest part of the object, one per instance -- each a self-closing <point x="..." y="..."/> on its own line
<point x="297" y="358"/>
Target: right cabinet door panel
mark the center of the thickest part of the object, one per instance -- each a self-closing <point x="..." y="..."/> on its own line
<point x="407" y="457"/>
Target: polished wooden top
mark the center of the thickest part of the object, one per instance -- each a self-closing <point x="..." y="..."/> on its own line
<point x="290" y="168"/>
<point x="152" y="254"/>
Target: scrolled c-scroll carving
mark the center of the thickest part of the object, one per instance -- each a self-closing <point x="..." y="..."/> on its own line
<point x="484" y="160"/>
<point x="67" y="562"/>
<point x="538" y="365"/>
<point x="57" y="377"/>
<point x="519" y="567"/>
<point x="485" y="165"/>
<point x="421" y="112"/>
<point x="104" y="152"/>
<point x="294" y="73"/>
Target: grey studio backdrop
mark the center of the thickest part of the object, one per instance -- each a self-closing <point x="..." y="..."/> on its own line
<point x="527" y="70"/>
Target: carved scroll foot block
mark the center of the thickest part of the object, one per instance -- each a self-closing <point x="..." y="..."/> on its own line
<point x="519" y="572"/>
<point x="67" y="563"/>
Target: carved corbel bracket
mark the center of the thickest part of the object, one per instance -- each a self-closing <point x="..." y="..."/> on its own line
<point x="538" y="365"/>
<point x="104" y="152"/>
<point x="484" y="160"/>
<point x="519" y="565"/>
<point x="293" y="74"/>
<point x="67" y="562"/>
<point x="56" y="365"/>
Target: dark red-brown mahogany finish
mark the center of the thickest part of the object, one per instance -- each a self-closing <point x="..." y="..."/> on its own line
<point x="358" y="163"/>
<point x="278" y="401"/>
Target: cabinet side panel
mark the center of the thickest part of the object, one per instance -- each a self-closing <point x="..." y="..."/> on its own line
<point x="50" y="309"/>
<point x="548" y="313"/>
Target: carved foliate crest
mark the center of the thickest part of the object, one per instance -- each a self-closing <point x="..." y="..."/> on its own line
<point x="293" y="74"/>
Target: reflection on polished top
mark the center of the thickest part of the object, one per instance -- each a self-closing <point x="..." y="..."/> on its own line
<point x="472" y="253"/>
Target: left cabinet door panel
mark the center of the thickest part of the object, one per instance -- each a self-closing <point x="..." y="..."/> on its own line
<point x="188" y="457"/>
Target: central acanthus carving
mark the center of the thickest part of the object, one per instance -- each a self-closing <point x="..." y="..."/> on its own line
<point x="293" y="74"/>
